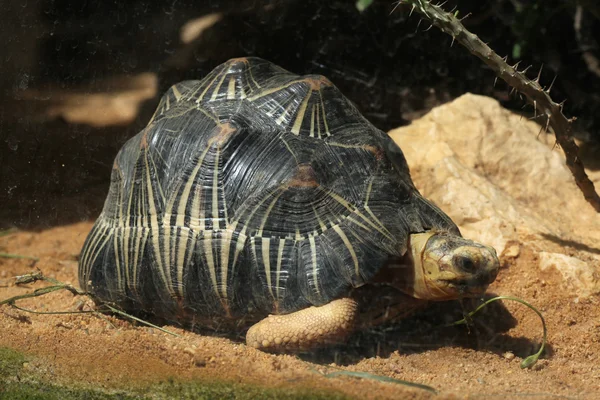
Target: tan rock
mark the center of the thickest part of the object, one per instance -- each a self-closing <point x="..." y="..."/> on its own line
<point x="578" y="275"/>
<point x="486" y="167"/>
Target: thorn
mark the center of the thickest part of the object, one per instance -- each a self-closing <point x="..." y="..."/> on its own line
<point x="495" y="81"/>
<point x="512" y="90"/>
<point x="505" y="58"/>
<point x="465" y="17"/>
<point x="453" y="38"/>
<point x="516" y="66"/>
<point x="453" y="9"/>
<point x="540" y="132"/>
<point x="526" y="69"/>
<point x="521" y="96"/>
<point x="555" y="144"/>
<point x="443" y="4"/>
<point x="418" y="25"/>
<point x="562" y="104"/>
<point x="398" y="5"/>
<point x="550" y="87"/>
<point x="535" y="109"/>
<point x="547" y="123"/>
<point x="539" y="74"/>
<point x="428" y="28"/>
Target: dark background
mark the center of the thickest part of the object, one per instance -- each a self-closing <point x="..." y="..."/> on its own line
<point x="54" y="172"/>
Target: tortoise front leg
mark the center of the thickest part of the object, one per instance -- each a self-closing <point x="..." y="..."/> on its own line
<point x="305" y="329"/>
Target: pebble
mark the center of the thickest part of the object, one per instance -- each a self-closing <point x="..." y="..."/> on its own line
<point x="509" y="355"/>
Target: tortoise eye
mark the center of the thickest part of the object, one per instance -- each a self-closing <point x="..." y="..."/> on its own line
<point x="463" y="263"/>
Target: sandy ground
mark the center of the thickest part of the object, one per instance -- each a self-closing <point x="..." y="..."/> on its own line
<point x="481" y="361"/>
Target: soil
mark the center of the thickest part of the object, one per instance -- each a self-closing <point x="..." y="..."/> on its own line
<point x="480" y="361"/>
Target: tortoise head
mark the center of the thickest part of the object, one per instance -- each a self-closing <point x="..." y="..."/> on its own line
<point x="448" y="267"/>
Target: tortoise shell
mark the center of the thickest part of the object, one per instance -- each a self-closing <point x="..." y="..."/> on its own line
<point x="252" y="191"/>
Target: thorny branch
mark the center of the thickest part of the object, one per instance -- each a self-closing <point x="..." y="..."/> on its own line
<point x="535" y="94"/>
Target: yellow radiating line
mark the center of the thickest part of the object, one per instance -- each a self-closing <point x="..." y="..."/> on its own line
<point x="216" y="91"/>
<point x="93" y="247"/>
<point x="195" y="221"/>
<point x="279" y="258"/>
<point x="313" y="252"/>
<point x="343" y="202"/>
<point x="101" y="240"/>
<point x="183" y="200"/>
<point x="312" y="122"/>
<point x="324" y="117"/>
<point x="126" y="237"/>
<point x="87" y="250"/>
<point x="267" y="212"/>
<point x="269" y="91"/>
<point x="366" y="228"/>
<point x="176" y="92"/>
<point x="140" y="246"/>
<point x="215" y="189"/>
<point x="209" y="115"/>
<point x="346" y="146"/>
<point x="300" y="116"/>
<point x="210" y="260"/>
<point x="289" y="149"/>
<point x="321" y="223"/>
<point x="190" y="94"/>
<point x="231" y="89"/>
<point x="318" y="122"/>
<point x="252" y="77"/>
<point x="349" y="246"/>
<point x="239" y="245"/>
<point x="244" y="227"/>
<point x="180" y="258"/>
<point x="266" y="247"/>
<point x="160" y="189"/>
<point x="99" y="249"/>
<point x="199" y="99"/>
<point x="142" y="207"/>
<point x="118" y="263"/>
<point x="281" y="118"/>
<point x="154" y="225"/>
<point x="377" y="220"/>
<point x="369" y="188"/>
<point x="242" y="235"/>
<point x="120" y="196"/>
<point x="226" y="239"/>
<point x="129" y="202"/>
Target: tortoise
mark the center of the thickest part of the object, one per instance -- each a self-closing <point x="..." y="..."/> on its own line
<point x="258" y="197"/>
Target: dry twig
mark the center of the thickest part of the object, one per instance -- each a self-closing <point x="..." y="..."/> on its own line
<point x="535" y="94"/>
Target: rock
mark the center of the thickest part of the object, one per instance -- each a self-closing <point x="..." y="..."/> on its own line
<point x="578" y="275"/>
<point x="117" y="106"/>
<point x="502" y="184"/>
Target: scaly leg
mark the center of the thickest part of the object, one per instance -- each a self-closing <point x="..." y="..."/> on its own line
<point x="305" y="329"/>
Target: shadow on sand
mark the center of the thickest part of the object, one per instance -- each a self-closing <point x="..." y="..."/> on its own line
<point x="429" y="330"/>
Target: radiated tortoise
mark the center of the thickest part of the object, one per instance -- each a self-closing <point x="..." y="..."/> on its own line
<point x="256" y="196"/>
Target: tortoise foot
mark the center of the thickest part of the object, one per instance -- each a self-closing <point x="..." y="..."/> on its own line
<point x="305" y="329"/>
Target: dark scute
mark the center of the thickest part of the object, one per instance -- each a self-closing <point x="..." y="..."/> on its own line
<point x="282" y="295"/>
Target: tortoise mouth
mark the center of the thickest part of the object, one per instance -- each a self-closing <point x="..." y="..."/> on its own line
<point x="472" y="286"/>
